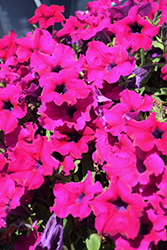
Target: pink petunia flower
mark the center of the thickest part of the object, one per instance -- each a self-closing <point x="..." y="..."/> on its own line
<point x="63" y="57"/>
<point x="145" y="134"/>
<point x="53" y="115"/>
<point x="73" y="198"/>
<point x="63" y="87"/>
<point x="131" y="163"/>
<point x="34" y="161"/>
<point x="38" y="40"/>
<point x="8" y="46"/>
<point x="136" y="30"/>
<point x="47" y="16"/>
<point x="118" y="210"/>
<point x="11" y="108"/>
<point x="109" y="65"/>
<point x="71" y="141"/>
<point x="10" y="194"/>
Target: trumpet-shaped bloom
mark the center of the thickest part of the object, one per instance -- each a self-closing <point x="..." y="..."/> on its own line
<point x="34" y="161"/>
<point x="145" y="134"/>
<point x="63" y="87"/>
<point x="136" y="30"/>
<point x="131" y="163"/>
<point x="76" y="115"/>
<point x="8" y="46"/>
<point x="10" y="194"/>
<point x="118" y="210"/>
<point x="72" y="141"/>
<point x="73" y="198"/>
<point x="107" y="63"/>
<point x="38" y="40"/>
<point x="63" y="57"/>
<point x="47" y="16"/>
<point x="11" y="108"/>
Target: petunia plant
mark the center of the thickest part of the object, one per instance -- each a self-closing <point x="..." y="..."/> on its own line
<point x="83" y="129"/>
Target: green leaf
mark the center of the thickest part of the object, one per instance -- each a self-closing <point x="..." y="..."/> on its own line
<point x="65" y="248"/>
<point x="159" y="39"/>
<point x="158" y="45"/>
<point x="72" y="247"/>
<point x="76" y="162"/>
<point x="48" y="134"/>
<point x="93" y="242"/>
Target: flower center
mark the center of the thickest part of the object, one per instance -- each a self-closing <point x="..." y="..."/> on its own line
<point x="39" y="164"/>
<point x="57" y="68"/>
<point x="61" y="89"/>
<point x="8" y="106"/>
<point x="74" y="136"/>
<point x="135" y="28"/>
<point x="70" y="111"/>
<point x="157" y="134"/>
<point x="111" y="66"/>
<point x="120" y="204"/>
<point x="80" y="197"/>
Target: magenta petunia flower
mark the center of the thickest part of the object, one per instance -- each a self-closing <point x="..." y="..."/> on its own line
<point x="76" y="115"/>
<point x="131" y="163"/>
<point x="145" y="134"/>
<point x="152" y="230"/>
<point x="8" y="46"/>
<point x="109" y="65"/>
<point x="136" y="30"/>
<point x="131" y="104"/>
<point x="71" y="141"/>
<point x="118" y="210"/>
<point x="63" y="87"/>
<point x="10" y="194"/>
<point x="104" y="144"/>
<point x="34" y="161"/>
<point x="71" y="28"/>
<point x="11" y="108"/>
<point x="23" y="134"/>
<point x="38" y="40"/>
<point x="47" y="16"/>
<point x="63" y="57"/>
<point x="94" y="22"/>
<point x="73" y="198"/>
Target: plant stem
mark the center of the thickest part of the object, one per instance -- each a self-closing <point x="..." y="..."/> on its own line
<point x="142" y="57"/>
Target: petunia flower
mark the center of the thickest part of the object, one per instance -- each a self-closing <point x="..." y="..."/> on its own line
<point x="73" y="198"/>
<point x="10" y="194"/>
<point x="118" y="210"/>
<point x="109" y="65"/>
<point x="63" y="57"/>
<point x="11" y="108"/>
<point x="136" y="30"/>
<point x="63" y="87"/>
<point x="52" y="237"/>
<point x="38" y="40"/>
<point x="47" y="16"/>
<point x="71" y="141"/>
<point x="148" y="133"/>
<point x="34" y="161"/>
<point x="53" y="115"/>
<point x="8" y="46"/>
<point x="131" y="163"/>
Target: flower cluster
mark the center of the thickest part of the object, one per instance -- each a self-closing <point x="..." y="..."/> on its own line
<point x="83" y="129"/>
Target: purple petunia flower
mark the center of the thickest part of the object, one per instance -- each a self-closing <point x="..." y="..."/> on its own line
<point x="52" y="238"/>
